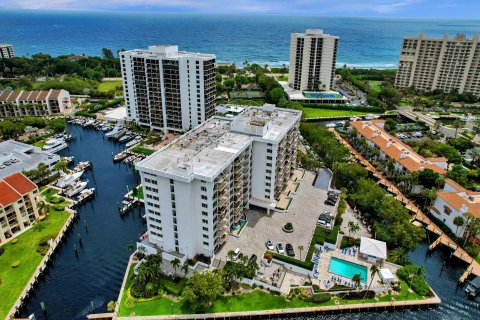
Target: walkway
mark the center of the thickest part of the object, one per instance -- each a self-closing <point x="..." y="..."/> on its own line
<point x="473" y="268"/>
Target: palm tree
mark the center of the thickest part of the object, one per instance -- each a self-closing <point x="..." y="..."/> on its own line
<point x="353" y="228"/>
<point x="473" y="230"/>
<point x="458" y="221"/>
<point x="300" y="248"/>
<point x="429" y="195"/>
<point x="131" y="247"/>
<point x="230" y="254"/>
<point x="469" y="215"/>
<point x="185" y="269"/>
<point x="457" y="125"/>
<point x="373" y="271"/>
<point x="357" y="279"/>
<point x="61" y="165"/>
<point x="175" y="264"/>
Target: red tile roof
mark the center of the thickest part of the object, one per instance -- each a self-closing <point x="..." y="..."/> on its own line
<point x="7" y="194"/>
<point x="20" y="183"/>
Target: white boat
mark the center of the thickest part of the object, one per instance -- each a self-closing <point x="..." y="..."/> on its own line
<point x="68" y="159"/>
<point x="114" y="131"/>
<point x="84" y="195"/>
<point x="54" y="145"/>
<point x="330" y="125"/>
<point x="340" y="123"/>
<point x="355" y="118"/>
<point x="371" y="117"/>
<point x="88" y="123"/>
<point x="69" y="179"/>
<point x="75" y="189"/>
<point x="132" y="143"/>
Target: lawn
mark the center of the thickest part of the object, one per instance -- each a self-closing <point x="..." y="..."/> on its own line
<point x="142" y="150"/>
<point x="376" y="85"/>
<point x="13" y="280"/>
<point x="318" y="112"/>
<point x="40" y="143"/>
<point x="107" y="86"/>
<point x="49" y="194"/>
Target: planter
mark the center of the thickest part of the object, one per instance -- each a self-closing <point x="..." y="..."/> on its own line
<point x="288" y="230"/>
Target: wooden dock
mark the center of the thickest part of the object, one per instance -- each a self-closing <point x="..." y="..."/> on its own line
<point x="109" y="315"/>
<point x="474" y="266"/>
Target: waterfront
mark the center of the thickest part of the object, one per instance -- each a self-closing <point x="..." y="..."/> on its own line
<point x="364" y="42"/>
<point x="73" y="282"/>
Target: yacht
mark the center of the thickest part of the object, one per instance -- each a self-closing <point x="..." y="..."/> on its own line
<point x="371" y="117"/>
<point x="69" y="179"/>
<point x="331" y="125"/>
<point x="54" y="145"/>
<point x="88" y="123"/>
<point x="75" y="189"/>
<point x="125" y="138"/>
<point x="133" y="142"/>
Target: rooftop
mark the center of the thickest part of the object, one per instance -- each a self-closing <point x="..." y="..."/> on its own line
<point x="168" y="51"/>
<point x="396" y="149"/>
<point x="13" y="187"/>
<point x="315" y="33"/>
<point x="12" y="96"/>
<point x="460" y="199"/>
<point x="28" y="157"/>
<point x="374" y="248"/>
<point x="206" y="150"/>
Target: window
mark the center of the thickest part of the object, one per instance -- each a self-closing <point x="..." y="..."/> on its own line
<point x="205" y="236"/>
<point x="205" y="229"/>
<point x="447" y="210"/>
<point x="205" y="243"/>
<point x="204" y="213"/>
<point x="204" y="188"/>
<point x="204" y="205"/>
<point x="269" y="165"/>
<point x="269" y="150"/>
<point x="204" y="220"/>
<point x="204" y="197"/>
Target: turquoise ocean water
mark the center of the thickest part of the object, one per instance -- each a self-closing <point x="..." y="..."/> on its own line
<point x="364" y="42"/>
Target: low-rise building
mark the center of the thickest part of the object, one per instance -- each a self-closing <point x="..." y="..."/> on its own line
<point x="198" y="187"/>
<point x="6" y="51"/>
<point x="375" y="251"/>
<point x="17" y="156"/>
<point x="33" y="103"/>
<point x="18" y="205"/>
<point x="406" y="160"/>
<point x="455" y="201"/>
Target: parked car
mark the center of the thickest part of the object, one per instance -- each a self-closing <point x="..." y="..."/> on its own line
<point x="290" y="251"/>
<point x="236" y="253"/>
<point x="269" y="245"/>
<point x="253" y="257"/>
<point x="280" y="248"/>
<point x="330" y="202"/>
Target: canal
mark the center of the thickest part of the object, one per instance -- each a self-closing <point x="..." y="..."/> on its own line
<point x="76" y="284"/>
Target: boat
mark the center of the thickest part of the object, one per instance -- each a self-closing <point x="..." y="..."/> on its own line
<point x="69" y="179"/>
<point x="473" y="288"/>
<point x="132" y="143"/>
<point x="119" y="134"/>
<point x="125" y="138"/>
<point x="84" y="195"/>
<point x="106" y="128"/>
<point x="130" y="158"/>
<point x="330" y="125"/>
<point x="137" y="160"/>
<point x="340" y="123"/>
<point x="75" y="189"/>
<point x="371" y="117"/>
<point x="82" y="166"/>
<point x="112" y="132"/>
<point x="126" y="205"/>
<point x="355" y="118"/>
<point x="120" y="156"/>
<point x="68" y="159"/>
<point x="88" y="123"/>
<point x="54" y="145"/>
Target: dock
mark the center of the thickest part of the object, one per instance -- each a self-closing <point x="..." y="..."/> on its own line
<point x="474" y="266"/>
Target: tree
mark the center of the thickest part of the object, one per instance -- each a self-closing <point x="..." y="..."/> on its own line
<point x="429" y="195"/>
<point x="373" y="271"/>
<point x="111" y="305"/>
<point x="175" y="264"/>
<point x="185" y="269"/>
<point x="131" y="247"/>
<point x="353" y="228"/>
<point x="107" y="54"/>
<point x="276" y="94"/>
<point x="230" y="254"/>
<point x="229" y="83"/>
<point x="57" y="125"/>
<point x="457" y="124"/>
<point x="458" y="221"/>
<point x="357" y="279"/>
<point x="398" y="256"/>
<point x="390" y="125"/>
<point x="61" y="165"/>
<point x="473" y="229"/>
<point x="428" y="178"/>
<point x="300" y="249"/>
<point x="202" y="289"/>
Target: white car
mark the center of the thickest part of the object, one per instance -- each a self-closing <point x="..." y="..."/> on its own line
<point x="269" y="245"/>
<point x="280" y="248"/>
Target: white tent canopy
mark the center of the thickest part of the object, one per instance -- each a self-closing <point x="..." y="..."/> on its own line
<point x="373" y="248"/>
<point x="386" y="275"/>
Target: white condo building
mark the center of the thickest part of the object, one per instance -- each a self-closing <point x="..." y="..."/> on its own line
<point x="6" y="51"/>
<point x="199" y="185"/>
<point x="313" y="56"/>
<point x="166" y="89"/>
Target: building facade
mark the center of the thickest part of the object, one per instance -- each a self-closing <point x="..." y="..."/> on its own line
<point x="166" y="89"/>
<point x="33" y="103"/>
<point x="6" y="51"/>
<point x="18" y="205"/>
<point x="455" y="201"/>
<point x="313" y="56"/>
<point x="440" y="63"/>
<point x="198" y="187"/>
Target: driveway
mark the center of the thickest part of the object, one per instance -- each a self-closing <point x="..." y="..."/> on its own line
<point x="306" y="206"/>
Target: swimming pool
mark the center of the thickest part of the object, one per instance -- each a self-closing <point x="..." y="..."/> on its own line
<point x="347" y="269"/>
<point x="322" y="95"/>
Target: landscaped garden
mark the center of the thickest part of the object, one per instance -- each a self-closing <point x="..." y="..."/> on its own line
<point x="25" y="251"/>
<point x="143" y="150"/>
<point x="318" y="112"/>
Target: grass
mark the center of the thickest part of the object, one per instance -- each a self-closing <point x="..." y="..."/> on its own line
<point x="318" y="112"/>
<point x="376" y="85"/>
<point x="14" y="280"/>
<point x="282" y="78"/>
<point x="108" y="86"/>
<point x="40" y="143"/>
<point x="405" y="104"/>
<point x="139" y="194"/>
<point x="142" y="150"/>
<point x="49" y="194"/>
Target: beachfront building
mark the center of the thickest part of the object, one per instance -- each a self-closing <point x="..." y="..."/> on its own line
<point x="405" y="159"/>
<point x="33" y="103"/>
<point x="23" y="157"/>
<point x="374" y="251"/>
<point x="313" y="56"/>
<point x="440" y="63"/>
<point x="197" y="187"/>
<point x="455" y="201"/>
<point x="166" y="89"/>
<point x="6" y="51"/>
<point x="18" y="205"/>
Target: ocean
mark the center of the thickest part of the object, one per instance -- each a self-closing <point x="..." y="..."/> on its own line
<point x="364" y="42"/>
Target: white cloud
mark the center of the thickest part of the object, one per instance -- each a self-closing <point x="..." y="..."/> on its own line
<point x="393" y="6"/>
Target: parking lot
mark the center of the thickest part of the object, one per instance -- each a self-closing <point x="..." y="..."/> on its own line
<point x="306" y="206"/>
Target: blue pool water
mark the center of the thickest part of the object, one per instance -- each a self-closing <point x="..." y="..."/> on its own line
<point x="322" y="95"/>
<point x="347" y="269"/>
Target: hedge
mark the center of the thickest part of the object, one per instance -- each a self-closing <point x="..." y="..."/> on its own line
<point x="343" y="107"/>
<point x="417" y="283"/>
<point x="302" y="264"/>
<point x="355" y="295"/>
<point x="320" y="236"/>
<point x="321" y="297"/>
<point x="15" y="263"/>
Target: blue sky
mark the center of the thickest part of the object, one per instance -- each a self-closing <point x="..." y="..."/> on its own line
<point x="468" y="9"/>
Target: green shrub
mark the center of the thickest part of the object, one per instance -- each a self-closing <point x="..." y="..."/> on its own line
<point x="57" y="200"/>
<point x="302" y="264"/>
<point x="42" y="250"/>
<point x="417" y="283"/>
<point x="288" y="226"/>
<point x="59" y="207"/>
<point x="349" y="242"/>
<point x="14" y="241"/>
<point x="321" y="297"/>
<point x="15" y="263"/>
<point x="2" y="250"/>
<point x="356" y="295"/>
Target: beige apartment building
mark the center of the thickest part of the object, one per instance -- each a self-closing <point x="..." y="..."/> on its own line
<point x="440" y="63"/>
<point x="18" y="205"/>
<point x="33" y="103"/>
<point x="313" y="56"/>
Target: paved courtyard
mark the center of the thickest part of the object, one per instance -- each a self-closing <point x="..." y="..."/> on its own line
<point x="350" y="215"/>
<point x="306" y="206"/>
